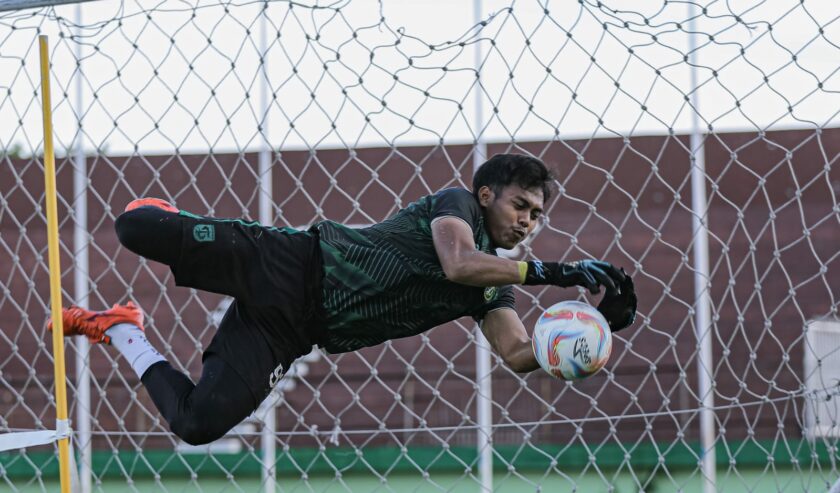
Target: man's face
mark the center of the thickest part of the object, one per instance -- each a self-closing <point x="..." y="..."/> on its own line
<point x="511" y="214"/>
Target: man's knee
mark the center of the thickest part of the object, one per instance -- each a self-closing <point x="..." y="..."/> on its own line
<point x="196" y="430"/>
<point x="150" y="232"/>
<point x="129" y="228"/>
<point x="216" y="404"/>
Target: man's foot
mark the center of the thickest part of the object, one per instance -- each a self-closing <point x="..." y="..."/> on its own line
<point x="78" y="321"/>
<point x="151" y="202"/>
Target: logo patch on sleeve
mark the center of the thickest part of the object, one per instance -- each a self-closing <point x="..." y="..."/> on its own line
<point x="204" y="232"/>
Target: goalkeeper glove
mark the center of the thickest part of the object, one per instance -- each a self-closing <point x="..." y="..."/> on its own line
<point x="591" y="274"/>
<point x="620" y="308"/>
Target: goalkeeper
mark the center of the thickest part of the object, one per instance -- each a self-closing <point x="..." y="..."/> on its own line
<point x="340" y="288"/>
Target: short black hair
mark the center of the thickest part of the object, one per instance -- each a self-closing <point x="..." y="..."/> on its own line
<point x="502" y="170"/>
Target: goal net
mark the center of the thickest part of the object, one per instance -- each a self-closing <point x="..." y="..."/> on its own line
<point x="694" y="144"/>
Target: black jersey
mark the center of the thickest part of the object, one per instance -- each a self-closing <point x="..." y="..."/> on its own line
<point x="385" y="281"/>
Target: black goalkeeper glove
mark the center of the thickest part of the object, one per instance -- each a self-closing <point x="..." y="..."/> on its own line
<point x="591" y="274"/>
<point x="620" y="308"/>
<point x="619" y="303"/>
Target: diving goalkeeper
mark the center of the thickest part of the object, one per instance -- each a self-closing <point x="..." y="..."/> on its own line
<point x="340" y="288"/>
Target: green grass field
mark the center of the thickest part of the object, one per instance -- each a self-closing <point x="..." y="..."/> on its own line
<point x="753" y="480"/>
<point x="757" y="467"/>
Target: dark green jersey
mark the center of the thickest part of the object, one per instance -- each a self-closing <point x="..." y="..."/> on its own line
<point x="385" y="281"/>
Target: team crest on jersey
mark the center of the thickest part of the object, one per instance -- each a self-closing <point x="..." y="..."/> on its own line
<point x="204" y="232"/>
<point x="490" y="293"/>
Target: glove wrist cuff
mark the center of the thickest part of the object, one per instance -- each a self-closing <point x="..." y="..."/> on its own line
<point x="523" y="271"/>
<point x="538" y="273"/>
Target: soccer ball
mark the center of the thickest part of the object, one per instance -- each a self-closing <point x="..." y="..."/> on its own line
<point x="572" y="340"/>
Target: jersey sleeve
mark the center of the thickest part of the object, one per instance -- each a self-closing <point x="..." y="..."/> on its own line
<point x="456" y="202"/>
<point x="504" y="299"/>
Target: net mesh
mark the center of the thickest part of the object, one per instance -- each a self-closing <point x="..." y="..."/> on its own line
<point x="363" y="107"/>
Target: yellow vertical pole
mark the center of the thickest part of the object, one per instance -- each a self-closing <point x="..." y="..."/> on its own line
<point x="55" y="269"/>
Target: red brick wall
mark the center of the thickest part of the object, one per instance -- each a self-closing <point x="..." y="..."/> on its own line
<point x="625" y="201"/>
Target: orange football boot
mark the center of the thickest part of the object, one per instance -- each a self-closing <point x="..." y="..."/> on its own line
<point x="78" y="321"/>
<point x="151" y="202"/>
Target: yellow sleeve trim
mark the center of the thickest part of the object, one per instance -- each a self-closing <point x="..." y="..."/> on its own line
<point x="523" y="271"/>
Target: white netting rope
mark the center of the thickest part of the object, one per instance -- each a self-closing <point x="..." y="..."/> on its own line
<point x="808" y="395"/>
<point x="369" y="106"/>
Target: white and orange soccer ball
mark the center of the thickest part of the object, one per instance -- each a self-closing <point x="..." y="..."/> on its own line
<point x="572" y="340"/>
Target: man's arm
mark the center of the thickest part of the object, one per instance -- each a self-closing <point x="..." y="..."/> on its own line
<point x="463" y="264"/>
<point x="506" y="334"/>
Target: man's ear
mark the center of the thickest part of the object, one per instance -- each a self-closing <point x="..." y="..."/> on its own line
<point x="485" y="196"/>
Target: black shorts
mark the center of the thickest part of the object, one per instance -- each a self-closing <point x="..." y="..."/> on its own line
<point x="274" y="276"/>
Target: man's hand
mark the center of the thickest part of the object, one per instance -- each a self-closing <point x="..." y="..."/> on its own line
<point x="591" y="274"/>
<point x="620" y="308"/>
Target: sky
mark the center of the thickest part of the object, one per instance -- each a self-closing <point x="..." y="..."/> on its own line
<point x="163" y="77"/>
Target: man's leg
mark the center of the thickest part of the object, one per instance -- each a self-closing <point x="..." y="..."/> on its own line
<point x="203" y="412"/>
<point x="240" y="367"/>
<point x="264" y="269"/>
<point x="197" y="413"/>
<point x="232" y="257"/>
